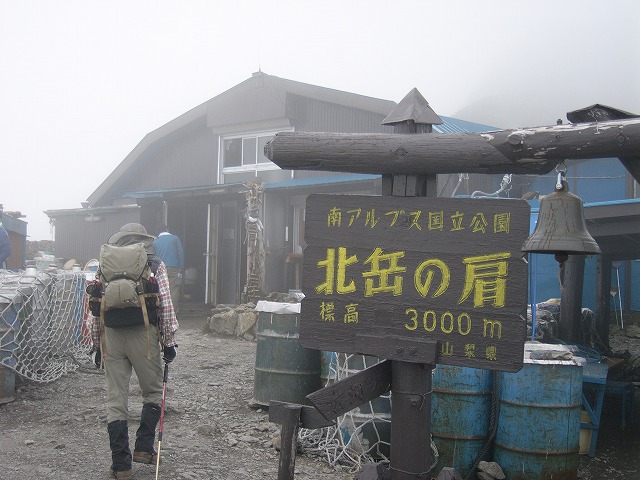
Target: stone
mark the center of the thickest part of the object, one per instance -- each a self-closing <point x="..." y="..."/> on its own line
<point x="224" y="323"/>
<point x="276" y="441"/>
<point x="632" y="331"/>
<point x="493" y="469"/>
<point x="448" y="473"/>
<point x="373" y="471"/>
<point x="246" y="323"/>
<point x="484" y="476"/>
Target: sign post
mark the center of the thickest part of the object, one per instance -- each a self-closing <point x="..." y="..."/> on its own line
<point x="416" y="280"/>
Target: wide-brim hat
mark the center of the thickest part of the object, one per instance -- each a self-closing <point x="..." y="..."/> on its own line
<point x="132" y="233"/>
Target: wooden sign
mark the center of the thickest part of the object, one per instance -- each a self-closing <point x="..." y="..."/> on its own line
<point x="391" y="276"/>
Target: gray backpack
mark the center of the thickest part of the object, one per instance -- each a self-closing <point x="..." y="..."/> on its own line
<point x="122" y="271"/>
<point x="127" y="294"/>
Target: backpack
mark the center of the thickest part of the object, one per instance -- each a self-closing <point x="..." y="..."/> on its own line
<point x="125" y="292"/>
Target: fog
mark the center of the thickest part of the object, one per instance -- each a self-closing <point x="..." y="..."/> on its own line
<point x="84" y="81"/>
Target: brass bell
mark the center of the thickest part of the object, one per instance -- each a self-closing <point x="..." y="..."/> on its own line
<point x="561" y="228"/>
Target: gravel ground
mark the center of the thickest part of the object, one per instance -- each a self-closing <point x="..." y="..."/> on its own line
<point x="211" y="430"/>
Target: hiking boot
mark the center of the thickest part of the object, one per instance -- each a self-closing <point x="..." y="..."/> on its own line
<point x="122" y="474"/>
<point x="146" y="434"/>
<point x="146" y="457"/>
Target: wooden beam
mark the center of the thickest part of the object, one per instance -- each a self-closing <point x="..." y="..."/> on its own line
<point x="531" y="150"/>
<point x="351" y="392"/>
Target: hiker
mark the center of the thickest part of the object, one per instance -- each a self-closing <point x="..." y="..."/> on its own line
<point x="169" y="248"/>
<point x="133" y="343"/>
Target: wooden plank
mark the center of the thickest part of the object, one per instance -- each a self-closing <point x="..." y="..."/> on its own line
<point x="351" y="392"/>
<point x="309" y="416"/>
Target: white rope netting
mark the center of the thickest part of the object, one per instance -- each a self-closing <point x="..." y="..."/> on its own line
<point x="360" y="436"/>
<point x="43" y="330"/>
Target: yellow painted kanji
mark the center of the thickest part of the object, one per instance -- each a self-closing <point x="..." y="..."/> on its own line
<point x="470" y="350"/>
<point x="352" y="315"/>
<point x="492" y="352"/>
<point x="501" y="222"/>
<point x="336" y="276"/>
<point x="485" y="276"/>
<point x="436" y="220"/>
<point x="383" y="274"/>
<point x="456" y="219"/>
<point x="334" y="218"/>
<point x="479" y="223"/>
<point x="327" y="311"/>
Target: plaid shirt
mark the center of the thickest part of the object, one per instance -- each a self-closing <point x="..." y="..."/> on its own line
<point x="167" y="321"/>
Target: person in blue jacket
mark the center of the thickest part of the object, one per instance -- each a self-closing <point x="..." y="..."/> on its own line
<point x="169" y="248"/>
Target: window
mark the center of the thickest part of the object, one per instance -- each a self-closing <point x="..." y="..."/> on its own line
<point x="245" y="153"/>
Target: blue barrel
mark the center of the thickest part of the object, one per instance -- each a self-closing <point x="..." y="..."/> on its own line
<point x="460" y="410"/>
<point x="538" y="436"/>
<point x="284" y="371"/>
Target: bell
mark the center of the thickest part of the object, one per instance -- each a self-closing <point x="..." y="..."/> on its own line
<point x="561" y="228"/>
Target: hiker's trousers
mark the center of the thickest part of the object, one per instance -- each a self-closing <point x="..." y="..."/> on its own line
<point x="127" y="347"/>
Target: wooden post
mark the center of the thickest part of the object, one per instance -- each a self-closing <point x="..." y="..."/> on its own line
<point x="292" y="416"/>
<point x="288" y="442"/>
<point x="411" y="382"/>
<point x="603" y="296"/>
<point x="572" y="278"/>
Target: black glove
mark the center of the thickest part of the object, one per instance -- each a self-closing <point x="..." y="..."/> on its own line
<point x="169" y="353"/>
<point x="98" y="358"/>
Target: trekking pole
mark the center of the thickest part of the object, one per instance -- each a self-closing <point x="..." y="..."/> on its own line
<point x="164" y="397"/>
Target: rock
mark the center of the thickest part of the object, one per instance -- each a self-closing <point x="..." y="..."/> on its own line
<point x="246" y="323"/>
<point x="224" y="323"/>
<point x="484" y="476"/>
<point x="632" y="331"/>
<point x="492" y="468"/>
<point x="373" y="471"/>
<point x="448" y="473"/>
<point x="206" y="430"/>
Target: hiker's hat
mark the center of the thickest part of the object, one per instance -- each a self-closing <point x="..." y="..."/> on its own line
<point x="132" y="233"/>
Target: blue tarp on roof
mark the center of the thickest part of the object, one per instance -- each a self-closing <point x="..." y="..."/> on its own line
<point x="310" y="181"/>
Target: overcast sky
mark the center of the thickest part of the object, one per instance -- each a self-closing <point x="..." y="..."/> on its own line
<point x="84" y="81"/>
